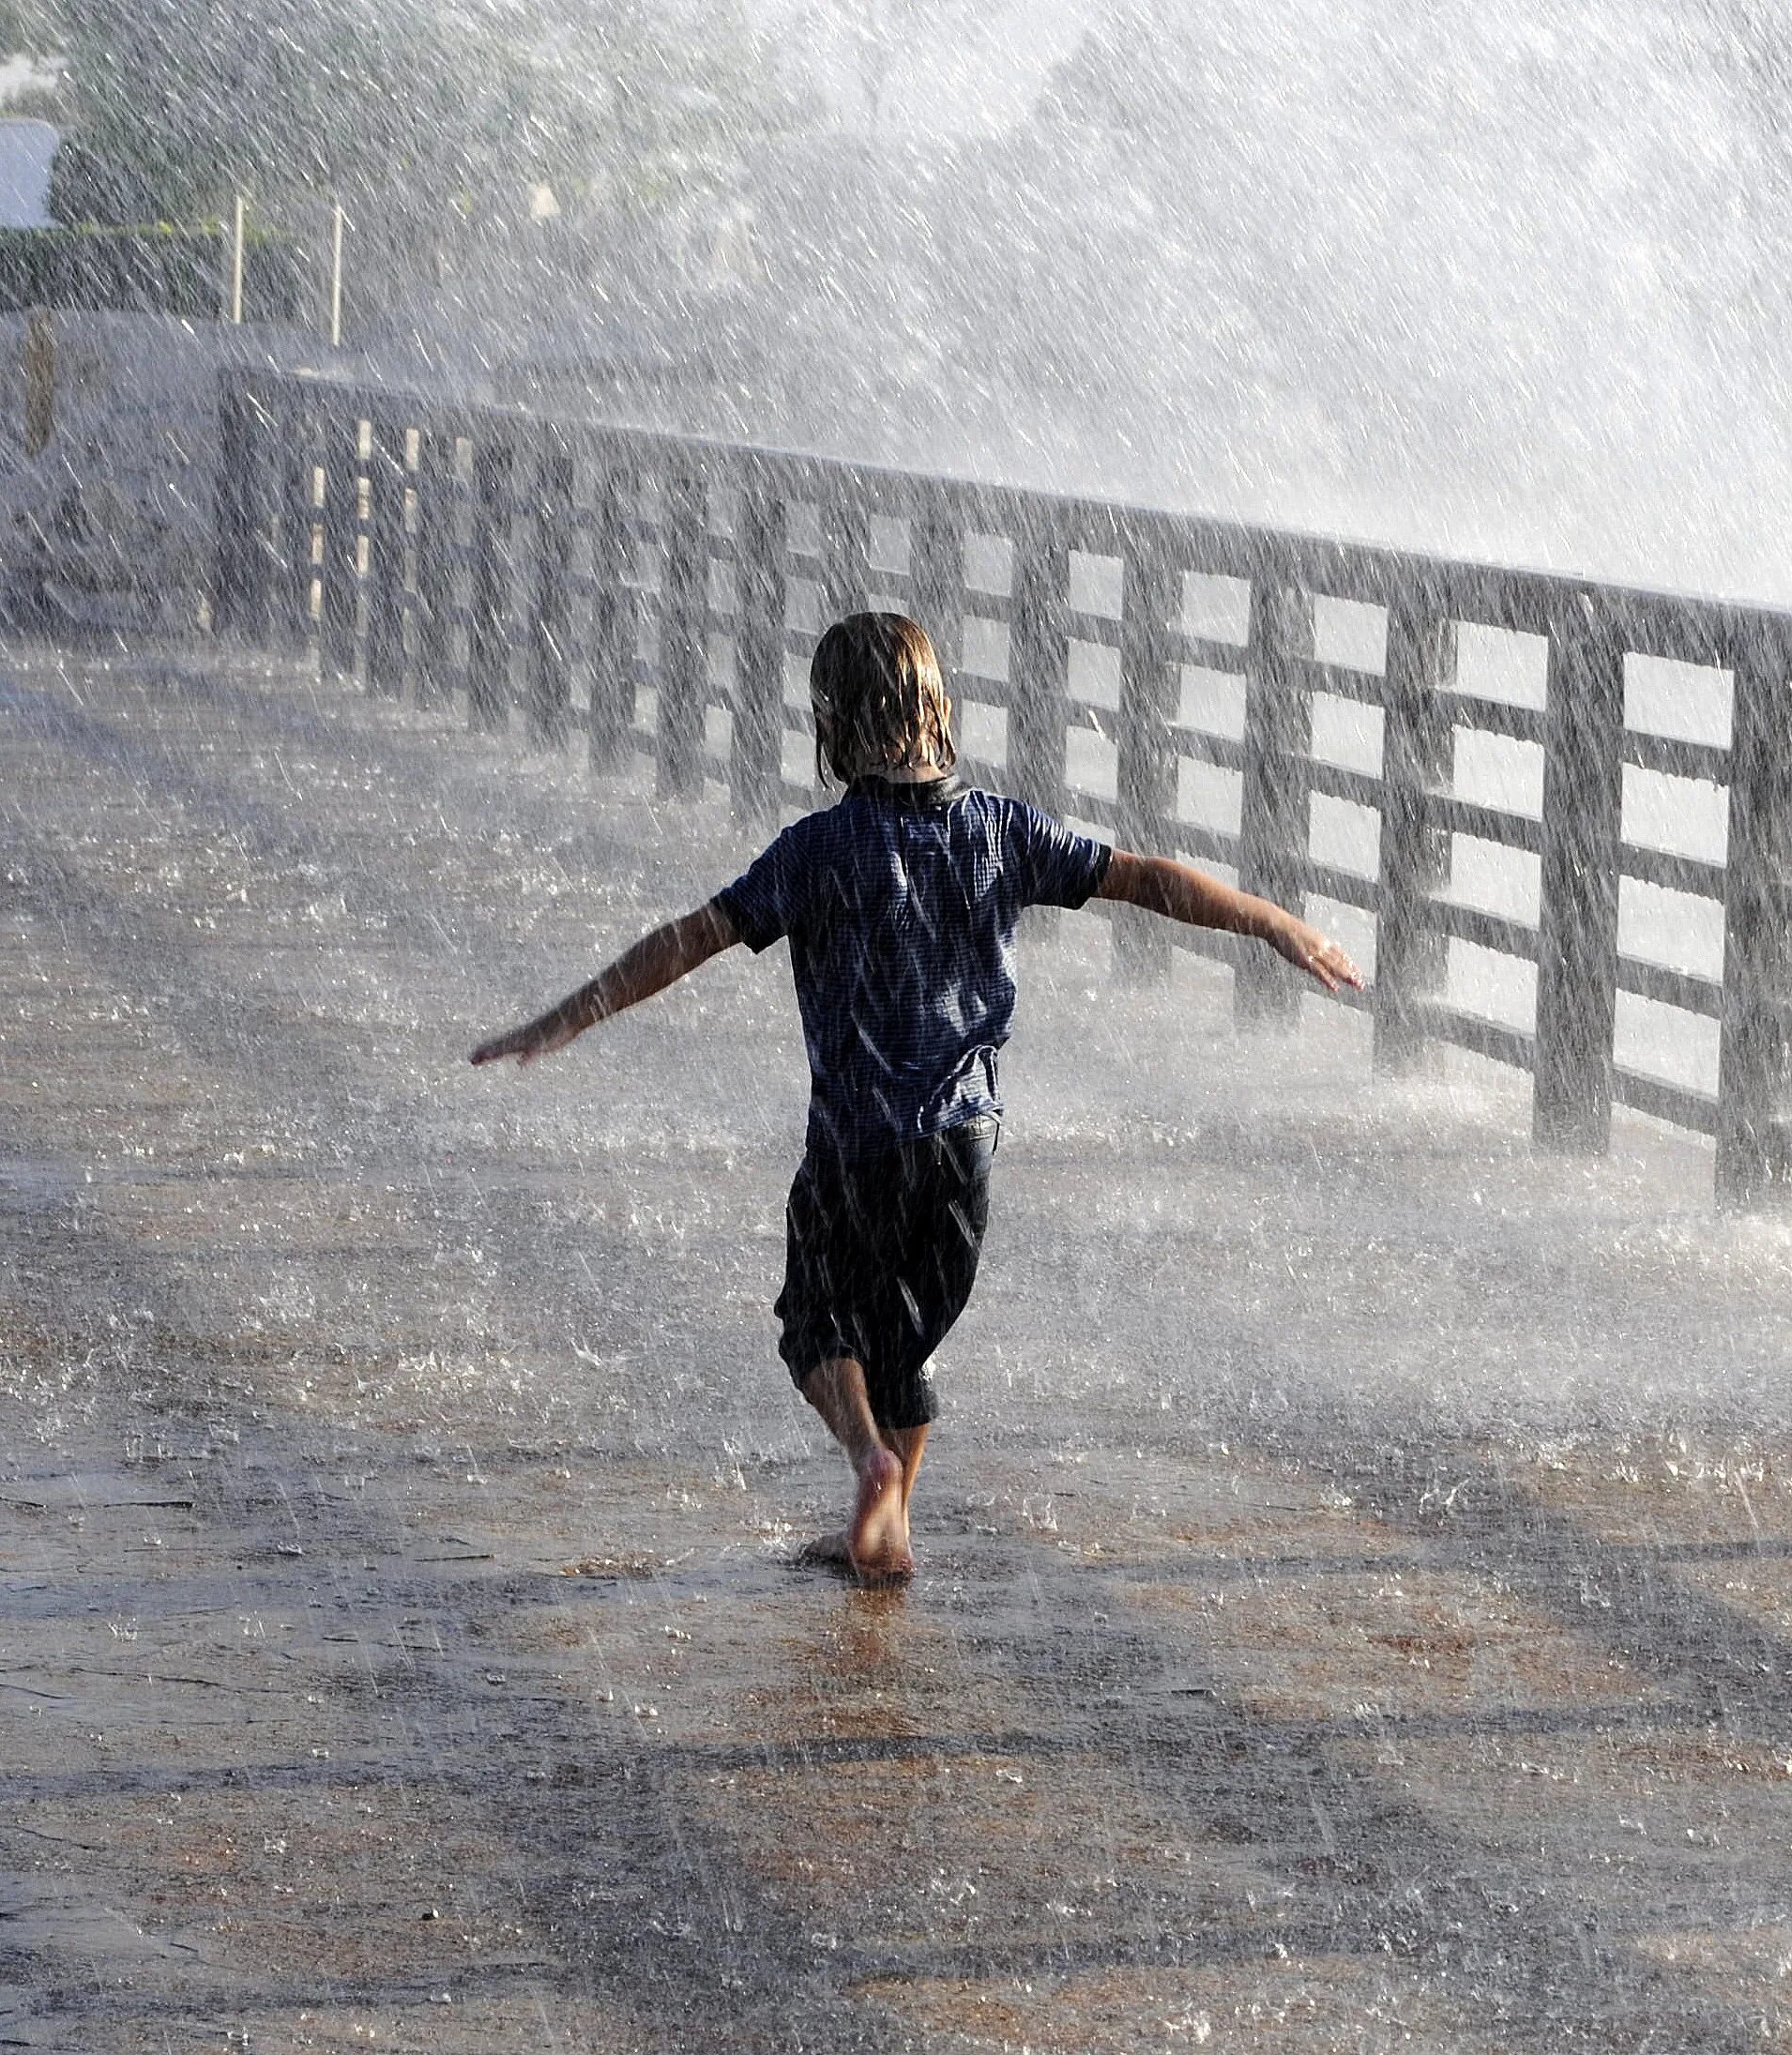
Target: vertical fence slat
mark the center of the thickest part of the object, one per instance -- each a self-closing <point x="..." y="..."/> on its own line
<point x="1418" y="762"/>
<point x="240" y="579"/>
<point x="937" y="573"/>
<point x="1038" y="669"/>
<point x="550" y="636"/>
<point x="1577" y="931"/>
<point x="1145" y="761"/>
<point x="438" y="525"/>
<point x="684" y="666"/>
<point x="263" y="626"/>
<point x="297" y="567"/>
<point x="1755" y="1059"/>
<point x="1276" y="801"/>
<point x="493" y="579"/>
<point x="342" y="566"/>
<point x="845" y="548"/>
<point x="388" y="480"/>
<point x="756" y="763"/>
<point x="613" y="626"/>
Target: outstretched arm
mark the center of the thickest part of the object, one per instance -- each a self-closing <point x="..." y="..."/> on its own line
<point x="656" y="961"/>
<point x="1183" y="894"/>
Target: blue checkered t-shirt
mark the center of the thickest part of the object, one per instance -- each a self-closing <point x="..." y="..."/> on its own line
<point x="900" y="903"/>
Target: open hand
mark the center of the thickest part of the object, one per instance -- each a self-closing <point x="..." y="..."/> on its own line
<point x="535" y="1038"/>
<point x="1320" y="957"/>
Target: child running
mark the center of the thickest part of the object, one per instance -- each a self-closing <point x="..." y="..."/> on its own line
<point x="900" y="904"/>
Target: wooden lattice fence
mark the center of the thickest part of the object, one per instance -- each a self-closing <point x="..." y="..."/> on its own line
<point x="649" y="592"/>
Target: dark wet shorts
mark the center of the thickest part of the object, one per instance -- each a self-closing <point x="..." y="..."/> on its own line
<point x="882" y="1256"/>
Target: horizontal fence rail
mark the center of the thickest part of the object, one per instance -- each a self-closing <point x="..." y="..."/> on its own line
<point x="658" y="595"/>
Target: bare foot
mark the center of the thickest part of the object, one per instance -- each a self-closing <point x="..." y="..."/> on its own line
<point x="827" y="1552"/>
<point x="877" y="1540"/>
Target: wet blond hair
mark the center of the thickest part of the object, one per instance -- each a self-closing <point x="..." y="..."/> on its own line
<point x="879" y="699"/>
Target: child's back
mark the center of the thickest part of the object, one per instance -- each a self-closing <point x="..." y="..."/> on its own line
<point x="900" y="904"/>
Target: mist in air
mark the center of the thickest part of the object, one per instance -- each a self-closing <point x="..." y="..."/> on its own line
<point x="1494" y="281"/>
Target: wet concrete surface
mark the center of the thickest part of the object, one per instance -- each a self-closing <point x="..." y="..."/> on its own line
<point x="1355" y="1604"/>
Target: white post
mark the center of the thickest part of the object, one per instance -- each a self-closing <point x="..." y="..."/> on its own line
<point x="336" y="282"/>
<point x="238" y="229"/>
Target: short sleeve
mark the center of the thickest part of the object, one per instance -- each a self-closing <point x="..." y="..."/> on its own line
<point x="767" y="899"/>
<point x="1053" y="866"/>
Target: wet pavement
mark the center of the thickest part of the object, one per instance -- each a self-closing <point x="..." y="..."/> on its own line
<point x="1355" y="1605"/>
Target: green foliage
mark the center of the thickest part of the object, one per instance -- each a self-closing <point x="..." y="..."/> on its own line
<point x="187" y="101"/>
<point x="153" y="269"/>
<point x="26" y="28"/>
<point x="425" y="105"/>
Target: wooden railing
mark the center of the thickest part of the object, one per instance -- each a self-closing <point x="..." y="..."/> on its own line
<point x="588" y="580"/>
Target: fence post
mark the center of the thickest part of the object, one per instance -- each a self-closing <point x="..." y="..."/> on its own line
<point x="488" y="691"/>
<point x="438" y="502"/>
<point x="936" y="574"/>
<point x="684" y="652"/>
<point x="37" y="363"/>
<point x="550" y="693"/>
<point x="297" y="558"/>
<point x="613" y="624"/>
<point x="1577" y="932"/>
<point x="1145" y="754"/>
<point x="343" y="531"/>
<point x="1039" y="667"/>
<point x="845" y="550"/>
<point x="1754" y="1059"/>
<point x="388" y="480"/>
<point x="756" y="763"/>
<point x="1417" y="761"/>
<point x="239" y="597"/>
<point x="1276" y="802"/>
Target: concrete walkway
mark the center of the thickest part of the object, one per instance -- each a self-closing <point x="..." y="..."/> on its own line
<point x="1355" y="1594"/>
